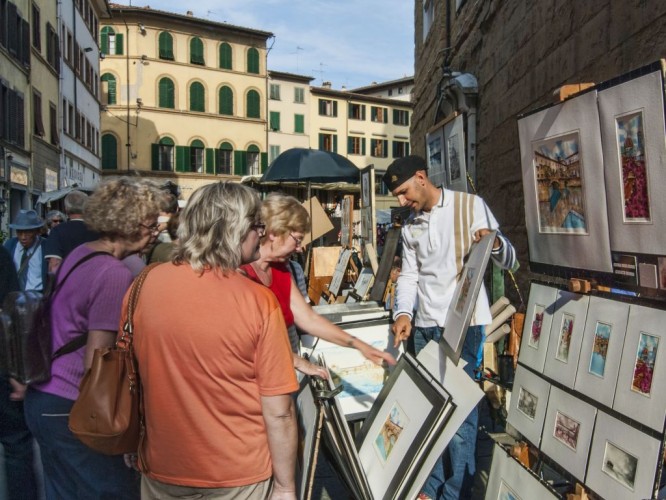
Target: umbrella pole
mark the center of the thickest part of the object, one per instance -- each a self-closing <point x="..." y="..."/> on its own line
<point x="309" y="253"/>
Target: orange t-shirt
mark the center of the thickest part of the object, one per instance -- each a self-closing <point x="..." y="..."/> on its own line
<point x="208" y="347"/>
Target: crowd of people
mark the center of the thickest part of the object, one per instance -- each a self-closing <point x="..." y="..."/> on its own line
<point x="215" y="332"/>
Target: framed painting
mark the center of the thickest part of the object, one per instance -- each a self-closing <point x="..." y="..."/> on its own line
<point x="348" y="313"/>
<point x="528" y="404"/>
<point x="464" y="297"/>
<point x="347" y="221"/>
<point x="632" y="131"/>
<point x="566" y="337"/>
<point x="536" y="330"/>
<point x="339" y="272"/>
<point x="639" y="394"/>
<point x="385" y="263"/>
<point x="567" y="431"/>
<point x="623" y="461"/>
<point x="309" y="433"/>
<point x="435" y="156"/>
<point x="407" y="417"/>
<point x="603" y="338"/>
<point x="509" y="480"/>
<point x="362" y="286"/>
<point x="454" y="154"/>
<point x="565" y="204"/>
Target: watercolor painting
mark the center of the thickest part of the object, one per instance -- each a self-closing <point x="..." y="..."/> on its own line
<point x="537" y="323"/>
<point x="527" y="403"/>
<point x="388" y="435"/>
<point x="602" y="332"/>
<point x="454" y="160"/>
<point x="558" y="168"/>
<point x="465" y="289"/>
<point x="620" y="465"/>
<point x="566" y="430"/>
<point x="646" y="354"/>
<point x="564" y="341"/>
<point x="506" y="493"/>
<point x="635" y="183"/>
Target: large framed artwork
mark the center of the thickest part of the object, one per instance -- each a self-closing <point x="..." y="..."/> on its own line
<point x="567" y="431"/>
<point x="565" y="204"/>
<point x="361" y="379"/>
<point x="639" y="393"/>
<point x="509" y="480"/>
<point x="464" y="297"/>
<point x="529" y="401"/>
<point x="435" y="155"/>
<point x="566" y="337"/>
<point x="407" y="417"/>
<point x="536" y="330"/>
<point x="603" y="339"/>
<point x="309" y="433"/>
<point x="368" y="216"/>
<point x="454" y="154"/>
<point x="623" y="461"/>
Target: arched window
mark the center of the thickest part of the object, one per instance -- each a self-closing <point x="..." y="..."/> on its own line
<point x="163" y="155"/>
<point x="109" y="152"/>
<point x="226" y="101"/>
<point x="166" y="93"/>
<point x="253" y="61"/>
<point x="197" y="97"/>
<point x="197" y="156"/>
<point x="196" y="51"/>
<point x="223" y="157"/>
<point x="253" y="166"/>
<point x="109" y="88"/>
<point x="165" y="42"/>
<point x="252" y="106"/>
<point x="111" y="43"/>
<point x="225" y="56"/>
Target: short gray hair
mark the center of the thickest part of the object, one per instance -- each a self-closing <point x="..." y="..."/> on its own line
<point x="214" y="224"/>
<point x="75" y="202"/>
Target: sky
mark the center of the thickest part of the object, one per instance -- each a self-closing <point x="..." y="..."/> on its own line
<point x="349" y="43"/>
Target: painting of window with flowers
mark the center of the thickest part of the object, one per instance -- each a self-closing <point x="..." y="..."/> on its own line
<point x="644" y="366"/>
<point x="634" y="172"/>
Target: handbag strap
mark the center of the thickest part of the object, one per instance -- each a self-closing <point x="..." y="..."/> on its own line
<point x="125" y="340"/>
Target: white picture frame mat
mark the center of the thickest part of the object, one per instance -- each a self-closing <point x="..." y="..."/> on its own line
<point x="616" y="314"/>
<point x="571" y="304"/>
<point x="535" y="385"/>
<point x="545" y="296"/>
<point x="573" y="461"/>
<point x="647" y="410"/>
<point x="454" y="131"/>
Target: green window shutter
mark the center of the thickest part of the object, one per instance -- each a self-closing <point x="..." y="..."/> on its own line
<point x="322" y="107"/>
<point x="275" y="121"/>
<point x="226" y="101"/>
<point x="363" y="146"/>
<point x="112" y="90"/>
<point x="196" y="51"/>
<point x="407" y="149"/>
<point x="109" y="152"/>
<point x="350" y="145"/>
<point x="154" y="156"/>
<point x="395" y="117"/>
<point x="104" y="40"/>
<point x="240" y="162"/>
<point x="197" y="97"/>
<point x="385" y="115"/>
<point x="395" y="143"/>
<point x="264" y="162"/>
<point x="373" y="114"/>
<point x="363" y="112"/>
<point x="335" y="108"/>
<point x="385" y="149"/>
<point x="166" y="90"/>
<point x="182" y="158"/>
<point x="119" y="44"/>
<point x="165" y="46"/>
<point x="321" y="142"/>
<point x="253" y="61"/>
<point x="299" y="124"/>
<point x="253" y="107"/>
<point x="210" y="161"/>
<point x="335" y="143"/>
<point x="225" y="56"/>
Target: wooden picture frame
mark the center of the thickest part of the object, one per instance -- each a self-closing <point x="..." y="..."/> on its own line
<point x="528" y="404"/>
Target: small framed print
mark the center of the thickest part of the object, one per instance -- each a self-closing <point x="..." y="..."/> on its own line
<point x="454" y="153"/>
<point x="623" y="461"/>
<point x="639" y="393"/>
<point x="603" y="339"/>
<point x="528" y="404"/>
<point x="566" y="337"/>
<point x="567" y="431"/>
<point x="536" y="330"/>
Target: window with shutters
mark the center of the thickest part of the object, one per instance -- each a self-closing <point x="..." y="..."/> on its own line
<point x="275" y="91"/>
<point x="400" y="149"/>
<point x="226" y="60"/>
<point x="109" y="152"/>
<point x="253" y="105"/>
<point x="107" y="40"/>
<point x="253" y="165"/>
<point x="356" y="145"/>
<point x="223" y="159"/>
<point x="197" y="156"/>
<point x="38" y="124"/>
<point x="166" y="93"/>
<point x="71" y="116"/>
<point x="328" y="142"/>
<point x="328" y="107"/>
<point x="226" y="101"/>
<point x="36" y="29"/>
<point x="165" y="155"/>
<point x="379" y="148"/>
<point x="275" y="121"/>
<point x="378" y="114"/>
<point x="197" y="51"/>
<point x="253" y="61"/>
<point x="400" y="117"/>
<point x="70" y="47"/>
<point x="52" y="47"/>
<point x="356" y="111"/>
<point x="109" y="89"/>
<point x="380" y="186"/>
<point x="273" y="152"/>
<point x="299" y="95"/>
<point x="197" y="97"/>
<point x="299" y="124"/>
<point x="165" y="42"/>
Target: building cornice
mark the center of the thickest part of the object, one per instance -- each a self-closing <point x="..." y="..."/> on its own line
<point x="350" y="96"/>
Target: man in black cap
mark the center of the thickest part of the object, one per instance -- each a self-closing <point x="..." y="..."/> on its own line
<point x="436" y="239"/>
<point x="26" y="250"/>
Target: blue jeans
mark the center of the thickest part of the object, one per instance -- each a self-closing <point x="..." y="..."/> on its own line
<point x="452" y="476"/>
<point x="17" y="442"/>
<point x="71" y="469"/>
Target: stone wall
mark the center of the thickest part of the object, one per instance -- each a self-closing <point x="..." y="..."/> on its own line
<point x="521" y="51"/>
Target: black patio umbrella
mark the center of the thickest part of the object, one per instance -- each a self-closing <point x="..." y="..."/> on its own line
<point x="311" y="165"/>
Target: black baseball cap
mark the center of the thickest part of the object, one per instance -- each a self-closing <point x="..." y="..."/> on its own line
<point x="402" y="170"/>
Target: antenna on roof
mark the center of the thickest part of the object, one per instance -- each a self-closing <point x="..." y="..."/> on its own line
<point x="297" y="54"/>
<point x="320" y="71"/>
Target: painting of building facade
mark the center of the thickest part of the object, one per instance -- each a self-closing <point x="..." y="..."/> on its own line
<point x="631" y="144"/>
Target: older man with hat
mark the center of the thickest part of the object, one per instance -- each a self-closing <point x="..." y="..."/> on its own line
<point x="26" y="250"/>
<point x="436" y="239"/>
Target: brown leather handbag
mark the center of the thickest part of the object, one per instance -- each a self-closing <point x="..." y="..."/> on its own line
<point x="107" y="416"/>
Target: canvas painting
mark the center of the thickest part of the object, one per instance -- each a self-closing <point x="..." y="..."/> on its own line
<point x="631" y="144"/>
<point x="564" y="340"/>
<point x="566" y="430"/>
<point x="454" y="158"/>
<point x="506" y="493"/>
<point x="620" y="465"/>
<point x="537" y="324"/>
<point x="646" y="356"/>
<point x="389" y="433"/>
<point x="527" y="403"/>
<point x="602" y="333"/>
<point x="558" y="168"/>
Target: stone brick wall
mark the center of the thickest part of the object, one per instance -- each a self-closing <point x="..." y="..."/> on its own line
<point x="521" y="51"/>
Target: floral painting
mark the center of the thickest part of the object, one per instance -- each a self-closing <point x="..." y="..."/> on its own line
<point x="646" y="355"/>
<point x="537" y="323"/>
<point x="602" y="332"/>
<point x="564" y="341"/>
<point x="635" y="185"/>
<point x="388" y="435"/>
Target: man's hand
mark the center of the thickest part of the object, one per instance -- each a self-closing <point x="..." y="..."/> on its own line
<point x="481" y="233"/>
<point x="402" y="328"/>
<point x="18" y="390"/>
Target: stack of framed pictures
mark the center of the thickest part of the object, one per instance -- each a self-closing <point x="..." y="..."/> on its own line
<point x="310" y="419"/>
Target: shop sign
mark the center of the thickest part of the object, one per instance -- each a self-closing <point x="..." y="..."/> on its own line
<point x="50" y="180"/>
<point x="19" y="176"/>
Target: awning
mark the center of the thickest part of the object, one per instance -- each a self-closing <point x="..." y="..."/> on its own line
<point x="329" y="186"/>
<point x="50" y="196"/>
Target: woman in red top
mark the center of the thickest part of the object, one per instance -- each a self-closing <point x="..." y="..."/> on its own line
<point x="287" y="222"/>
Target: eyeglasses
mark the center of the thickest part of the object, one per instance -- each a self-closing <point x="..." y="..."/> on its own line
<point x="153" y="228"/>
<point x="259" y="227"/>
<point x="56" y="221"/>
<point x="299" y="241"/>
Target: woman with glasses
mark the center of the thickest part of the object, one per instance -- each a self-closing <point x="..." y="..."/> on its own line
<point x="85" y="314"/>
<point x="53" y="218"/>
<point x="286" y="223"/>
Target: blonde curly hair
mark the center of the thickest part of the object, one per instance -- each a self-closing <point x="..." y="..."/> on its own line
<point x="284" y="214"/>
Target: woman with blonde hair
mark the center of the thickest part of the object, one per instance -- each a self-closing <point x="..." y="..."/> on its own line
<point x="287" y="222"/>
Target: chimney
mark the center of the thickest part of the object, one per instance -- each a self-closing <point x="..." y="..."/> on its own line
<point x="344" y="88"/>
<point x="326" y="85"/>
<point x="190" y="13"/>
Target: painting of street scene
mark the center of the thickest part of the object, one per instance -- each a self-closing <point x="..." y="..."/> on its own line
<point x="388" y="435"/>
<point x="454" y="160"/>
<point x="465" y="289"/>
<point x="566" y="430"/>
<point x="565" y="338"/>
<point x="537" y="323"/>
<point x="506" y="493"/>
<point x="558" y="167"/>
<point x="527" y="403"/>
<point x="602" y="332"/>
<point x="646" y="355"/>
<point x="635" y="186"/>
<point x="620" y="465"/>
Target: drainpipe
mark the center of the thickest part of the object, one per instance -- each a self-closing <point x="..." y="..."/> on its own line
<point x="128" y="144"/>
